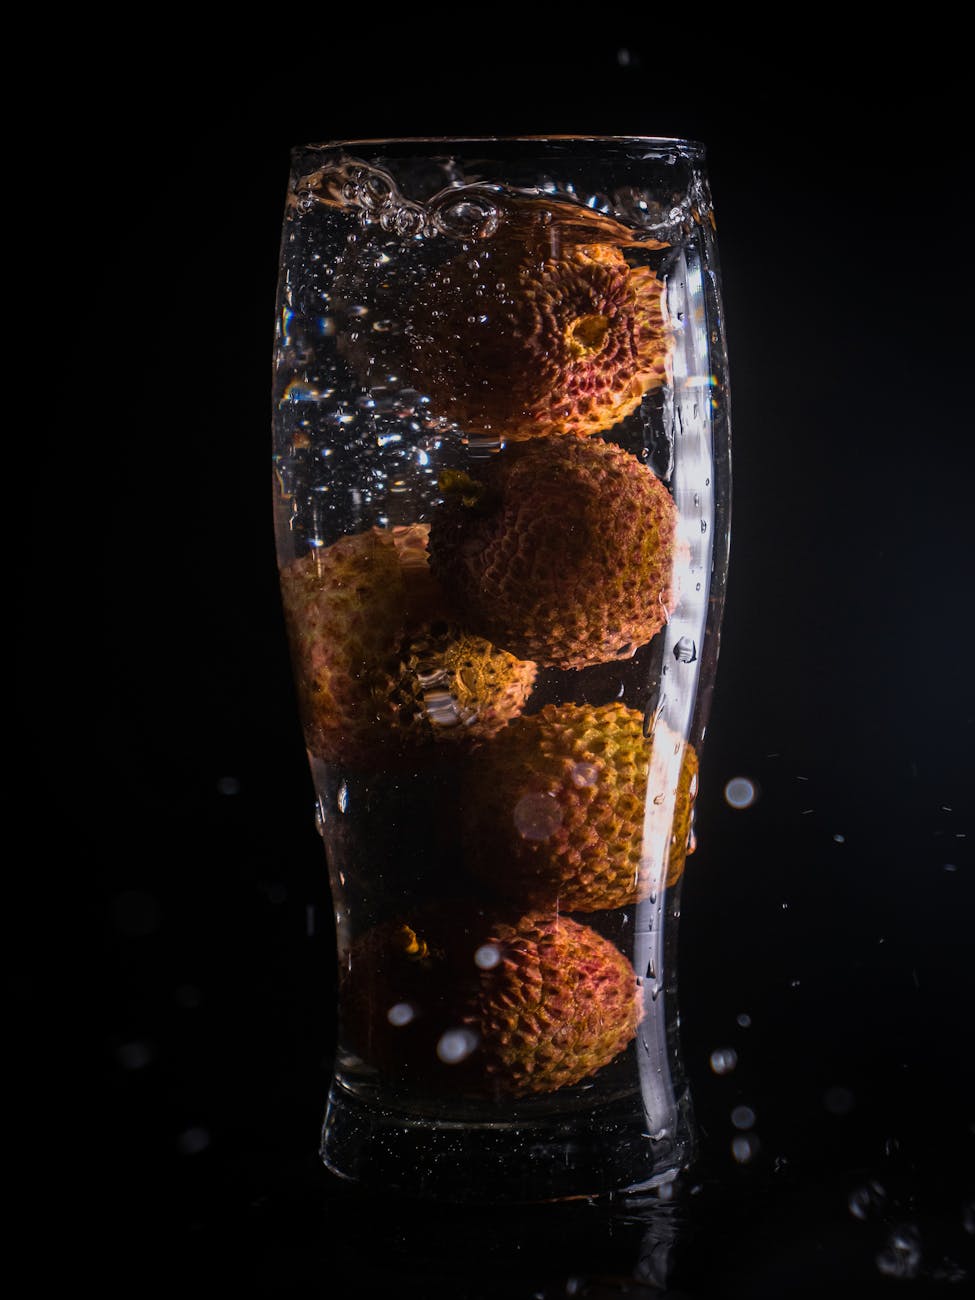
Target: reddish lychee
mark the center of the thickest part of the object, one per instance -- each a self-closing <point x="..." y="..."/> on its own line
<point x="563" y="551"/>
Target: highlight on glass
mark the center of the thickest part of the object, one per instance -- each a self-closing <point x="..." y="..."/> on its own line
<point x="502" y="496"/>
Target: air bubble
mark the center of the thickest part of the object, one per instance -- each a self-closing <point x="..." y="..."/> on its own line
<point x="744" y="1020"/>
<point x="685" y="651"/>
<point x="472" y="217"/>
<point x="723" y="1060"/>
<point x="400" y="1014"/>
<point x="375" y="192"/>
<point x="743" y="1117"/>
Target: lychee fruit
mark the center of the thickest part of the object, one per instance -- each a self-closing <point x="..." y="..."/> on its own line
<point x="560" y="1003"/>
<point x="563" y="552"/>
<point x="466" y="1003"/>
<point x="380" y="667"/>
<point x="556" y="808"/>
<point x="516" y="338"/>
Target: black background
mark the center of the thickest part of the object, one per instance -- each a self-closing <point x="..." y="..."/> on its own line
<point x="169" y="938"/>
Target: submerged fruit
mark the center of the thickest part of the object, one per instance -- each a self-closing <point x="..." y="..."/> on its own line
<point x="563" y="553"/>
<point x="379" y="667"/>
<point x="529" y="335"/>
<point x="473" y="1004"/>
<point x="559" y="1004"/>
<point x="525" y="347"/>
<point x="559" y="808"/>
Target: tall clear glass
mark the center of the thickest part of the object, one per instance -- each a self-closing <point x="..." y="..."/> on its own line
<point x="502" y="490"/>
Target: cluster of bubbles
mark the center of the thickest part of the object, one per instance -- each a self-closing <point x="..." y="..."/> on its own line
<point x="474" y="211"/>
<point x="467" y="212"/>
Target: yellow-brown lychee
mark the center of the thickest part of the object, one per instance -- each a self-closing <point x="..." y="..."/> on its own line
<point x="557" y="808"/>
<point x="380" y="667"/>
<point x="514" y="338"/>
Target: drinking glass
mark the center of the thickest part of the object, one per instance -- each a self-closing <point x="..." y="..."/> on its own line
<point x="502" y="491"/>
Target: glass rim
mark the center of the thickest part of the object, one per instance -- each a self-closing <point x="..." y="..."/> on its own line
<point x="696" y="146"/>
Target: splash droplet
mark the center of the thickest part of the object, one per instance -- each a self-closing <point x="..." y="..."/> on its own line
<point x="456" y="1045"/>
<point x="740" y="792"/>
<point x="487" y="956"/>
<point x="723" y="1060"/>
<point x="537" y="816"/>
<point x="901" y="1257"/>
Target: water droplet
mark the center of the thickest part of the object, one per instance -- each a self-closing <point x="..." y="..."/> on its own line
<point x="744" y="1147"/>
<point x="863" y="1201"/>
<point x="456" y="1045"/>
<point x="537" y="816"/>
<point x="583" y="774"/>
<point x="723" y="1060"/>
<point x="740" y="792"/>
<point x="901" y="1257"/>
<point x="743" y="1117"/>
<point x="685" y="651"/>
<point x="400" y="1014"/>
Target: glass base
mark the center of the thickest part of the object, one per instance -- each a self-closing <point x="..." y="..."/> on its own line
<point x="606" y="1149"/>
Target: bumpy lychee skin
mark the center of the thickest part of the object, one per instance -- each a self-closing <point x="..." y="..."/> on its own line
<point x="560" y="1003"/>
<point x="538" y="345"/>
<point x="452" y="685"/>
<point x="466" y="1003"/>
<point x="379" y="669"/>
<point x="515" y="340"/>
<point x="563" y="553"/>
<point x="558" y="804"/>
